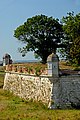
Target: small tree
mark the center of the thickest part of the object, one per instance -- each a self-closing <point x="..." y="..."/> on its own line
<point x="41" y="34"/>
<point x="71" y="28"/>
<point x="75" y="51"/>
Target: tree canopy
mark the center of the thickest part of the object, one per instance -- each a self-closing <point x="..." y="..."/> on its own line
<point x="41" y="34"/>
<point x="71" y="28"/>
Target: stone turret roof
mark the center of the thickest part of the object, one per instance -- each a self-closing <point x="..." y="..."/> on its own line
<point x="6" y="56"/>
<point x="52" y="57"/>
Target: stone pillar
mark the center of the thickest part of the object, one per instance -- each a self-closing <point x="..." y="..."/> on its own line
<point x="53" y="65"/>
<point x="56" y="93"/>
<point x="53" y="71"/>
<point x="7" y="59"/>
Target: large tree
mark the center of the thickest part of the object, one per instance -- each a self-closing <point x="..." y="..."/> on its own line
<point x="71" y="27"/>
<point x="40" y="34"/>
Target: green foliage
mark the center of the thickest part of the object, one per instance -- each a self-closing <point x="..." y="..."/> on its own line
<point x="38" y="71"/>
<point x="71" y="27"/>
<point x="41" y="34"/>
<point x="2" y="69"/>
<point x="29" y="69"/>
<point x="75" y="51"/>
<point x="1" y="79"/>
<point x="77" y="68"/>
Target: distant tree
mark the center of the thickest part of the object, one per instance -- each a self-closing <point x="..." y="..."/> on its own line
<point x="75" y="51"/>
<point x="41" y="34"/>
<point x="71" y="28"/>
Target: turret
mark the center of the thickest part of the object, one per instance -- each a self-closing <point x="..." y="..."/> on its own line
<point x="53" y="65"/>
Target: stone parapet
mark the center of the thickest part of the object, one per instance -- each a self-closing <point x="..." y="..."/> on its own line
<point x="22" y="69"/>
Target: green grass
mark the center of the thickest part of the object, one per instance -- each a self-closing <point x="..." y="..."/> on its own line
<point x="1" y="79"/>
<point x="14" y="108"/>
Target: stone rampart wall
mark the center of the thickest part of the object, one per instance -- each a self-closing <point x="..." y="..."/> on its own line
<point x="58" y="92"/>
<point x="66" y="92"/>
<point x="70" y="91"/>
<point x="29" y="86"/>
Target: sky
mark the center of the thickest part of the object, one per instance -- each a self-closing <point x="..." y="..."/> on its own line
<point x="14" y="13"/>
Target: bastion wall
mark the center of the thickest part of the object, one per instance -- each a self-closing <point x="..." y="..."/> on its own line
<point x="57" y="92"/>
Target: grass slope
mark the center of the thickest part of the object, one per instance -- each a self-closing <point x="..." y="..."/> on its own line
<point x="14" y="108"/>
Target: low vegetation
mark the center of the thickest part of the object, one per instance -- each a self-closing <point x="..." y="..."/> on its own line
<point x="67" y="65"/>
<point x="32" y="68"/>
<point x="14" y="108"/>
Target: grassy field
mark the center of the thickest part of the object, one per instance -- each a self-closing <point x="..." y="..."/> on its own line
<point x="14" y="108"/>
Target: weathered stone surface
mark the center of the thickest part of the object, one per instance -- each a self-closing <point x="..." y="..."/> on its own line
<point x="58" y="92"/>
<point x="70" y="92"/>
<point x="53" y="65"/>
<point x="29" y="87"/>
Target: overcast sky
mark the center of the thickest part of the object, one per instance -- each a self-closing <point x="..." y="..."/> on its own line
<point x="13" y="13"/>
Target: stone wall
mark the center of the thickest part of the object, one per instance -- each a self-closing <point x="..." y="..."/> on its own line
<point x="29" y="70"/>
<point x="66" y="92"/>
<point x="58" y="92"/>
<point x="29" y="87"/>
<point x="70" y="91"/>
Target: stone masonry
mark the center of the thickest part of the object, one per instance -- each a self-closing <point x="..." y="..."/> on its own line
<point x="56" y="90"/>
<point x="29" y="87"/>
<point x="62" y="92"/>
